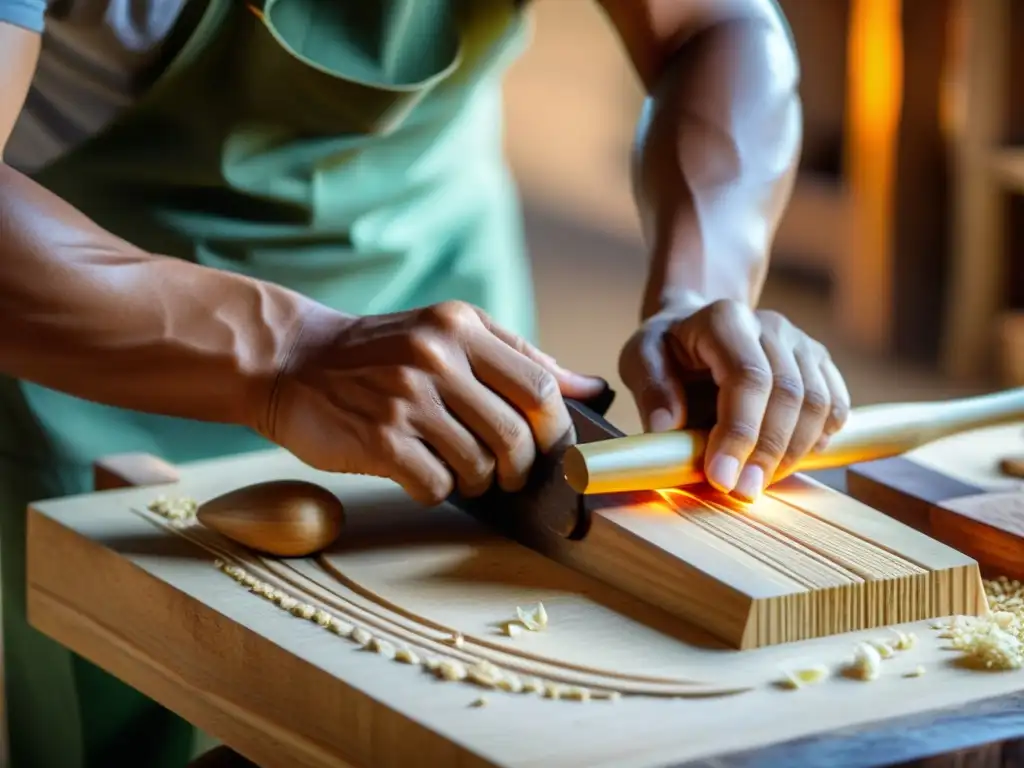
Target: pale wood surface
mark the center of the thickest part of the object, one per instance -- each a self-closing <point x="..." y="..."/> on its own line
<point x="803" y="562"/>
<point x="113" y="583"/>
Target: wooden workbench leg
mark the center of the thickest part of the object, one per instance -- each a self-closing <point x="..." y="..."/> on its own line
<point x="128" y="470"/>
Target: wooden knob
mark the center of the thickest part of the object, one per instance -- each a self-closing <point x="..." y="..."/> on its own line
<point x="284" y="518"/>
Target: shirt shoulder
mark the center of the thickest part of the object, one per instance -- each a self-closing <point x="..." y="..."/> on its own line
<point x="28" y="14"/>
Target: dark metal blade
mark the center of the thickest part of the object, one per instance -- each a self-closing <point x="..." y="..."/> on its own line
<point x="546" y="506"/>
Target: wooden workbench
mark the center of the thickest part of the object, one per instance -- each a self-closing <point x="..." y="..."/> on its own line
<point x="147" y="605"/>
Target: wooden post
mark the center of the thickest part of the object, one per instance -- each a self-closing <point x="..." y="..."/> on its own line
<point x="874" y="77"/>
<point x="976" y="281"/>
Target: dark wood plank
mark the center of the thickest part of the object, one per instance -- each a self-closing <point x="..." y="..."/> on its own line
<point x="964" y="733"/>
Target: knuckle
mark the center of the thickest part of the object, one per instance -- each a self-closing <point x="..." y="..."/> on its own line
<point x="754" y="377"/>
<point x="389" y="446"/>
<point x="512" y="433"/>
<point x="817" y="402"/>
<point x="771" y="448"/>
<point x="773" y="321"/>
<point x="788" y="389"/>
<point x="815" y="350"/>
<point x="437" y="488"/>
<point x="721" y="314"/>
<point x="394" y="415"/>
<point x="406" y="380"/>
<point x="543" y="386"/>
<point x="481" y="472"/>
<point x="741" y="434"/>
<point x="454" y="317"/>
<point x="839" y="414"/>
<point x="430" y="352"/>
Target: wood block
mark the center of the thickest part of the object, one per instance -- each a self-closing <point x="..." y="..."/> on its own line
<point x="803" y="562"/>
<point x="954" y="491"/>
<point x="142" y="599"/>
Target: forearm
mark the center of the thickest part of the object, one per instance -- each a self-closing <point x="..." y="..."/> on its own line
<point x="716" y="155"/>
<point x="88" y="314"/>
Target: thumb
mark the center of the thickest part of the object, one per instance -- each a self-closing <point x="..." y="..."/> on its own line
<point x="648" y="371"/>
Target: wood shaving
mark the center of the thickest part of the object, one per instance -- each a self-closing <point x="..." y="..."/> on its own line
<point x="176" y="510"/>
<point x="456" y="640"/>
<point x="797" y="679"/>
<point x="450" y="669"/>
<point x="480" y="672"/>
<point x="916" y="671"/>
<point x="884" y="649"/>
<point x="904" y="640"/>
<point x="361" y="636"/>
<point x="381" y="648"/>
<point x="867" y="662"/>
<point x="996" y="641"/>
<point x="481" y="702"/>
<point x="407" y="656"/>
<point x="534" y="617"/>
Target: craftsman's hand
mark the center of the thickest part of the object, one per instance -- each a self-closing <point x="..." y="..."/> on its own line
<point x="780" y="395"/>
<point x="433" y="399"/>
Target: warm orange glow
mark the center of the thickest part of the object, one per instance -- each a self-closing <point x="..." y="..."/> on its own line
<point x="876" y="65"/>
<point x="677" y="498"/>
<point x="875" y="95"/>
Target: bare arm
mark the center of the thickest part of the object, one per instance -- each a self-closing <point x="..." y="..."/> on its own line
<point x="717" y="145"/>
<point x="86" y="313"/>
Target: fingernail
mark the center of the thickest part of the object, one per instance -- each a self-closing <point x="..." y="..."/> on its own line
<point x="722" y="472"/>
<point x="751" y="483"/>
<point x="660" y="420"/>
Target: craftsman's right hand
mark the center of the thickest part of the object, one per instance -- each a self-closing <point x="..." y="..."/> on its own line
<point x="434" y="399"/>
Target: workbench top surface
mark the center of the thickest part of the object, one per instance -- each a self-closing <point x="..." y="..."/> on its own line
<point x="147" y="604"/>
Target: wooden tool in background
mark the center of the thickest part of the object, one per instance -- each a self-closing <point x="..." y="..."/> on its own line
<point x="676" y="459"/>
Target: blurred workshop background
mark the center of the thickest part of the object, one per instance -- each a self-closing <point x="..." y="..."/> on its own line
<point x="902" y="247"/>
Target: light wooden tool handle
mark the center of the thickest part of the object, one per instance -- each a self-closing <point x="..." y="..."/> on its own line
<point x="673" y="459"/>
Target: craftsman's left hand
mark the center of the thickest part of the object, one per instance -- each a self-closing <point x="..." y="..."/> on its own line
<point x="780" y="394"/>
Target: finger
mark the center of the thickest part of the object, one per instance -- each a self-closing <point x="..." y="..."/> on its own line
<point x="473" y="465"/>
<point x="502" y="430"/>
<point x="648" y="371"/>
<point x="528" y="386"/>
<point x="780" y="421"/>
<point x="578" y="386"/>
<point x="840" y="397"/>
<point x="740" y="368"/>
<point x="412" y="465"/>
<point x="814" y="412"/>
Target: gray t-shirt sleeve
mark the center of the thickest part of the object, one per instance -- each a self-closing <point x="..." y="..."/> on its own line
<point x="29" y="14"/>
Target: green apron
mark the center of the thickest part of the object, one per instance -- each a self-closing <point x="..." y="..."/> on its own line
<point x="349" y="150"/>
